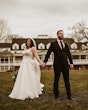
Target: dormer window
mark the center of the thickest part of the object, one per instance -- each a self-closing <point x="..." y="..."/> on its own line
<point x="23" y="46"/>
<point x="74" y="46"/>
<point x="83" y="47"/>
<point x="48" y="45"/>
<point x="41" y="46"/>
<point x="15" y="46"/>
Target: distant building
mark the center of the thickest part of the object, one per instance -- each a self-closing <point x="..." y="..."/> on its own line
<point x="11" y="53"/>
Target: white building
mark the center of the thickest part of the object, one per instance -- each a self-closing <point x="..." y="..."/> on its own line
<point x="11" y="55"/>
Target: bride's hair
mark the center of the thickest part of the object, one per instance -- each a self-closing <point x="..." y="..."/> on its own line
<point x="32" y="43"/>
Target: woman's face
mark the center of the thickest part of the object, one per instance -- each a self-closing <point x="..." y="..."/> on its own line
<point x="28" y="43"/>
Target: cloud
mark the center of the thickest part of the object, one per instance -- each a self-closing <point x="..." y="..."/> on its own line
<point x="44" y="8"/>
<point x="42" y="16"/>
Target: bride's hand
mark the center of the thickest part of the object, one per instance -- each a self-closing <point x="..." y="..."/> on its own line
<point x="43" y="64"/>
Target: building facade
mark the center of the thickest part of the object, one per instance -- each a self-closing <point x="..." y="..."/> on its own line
<point x="11" y="53"/>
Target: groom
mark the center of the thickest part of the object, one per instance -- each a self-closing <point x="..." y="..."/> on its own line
<point x="61" y="55"/>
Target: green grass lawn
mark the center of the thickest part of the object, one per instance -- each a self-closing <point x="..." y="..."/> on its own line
<point x="79" y="88"/>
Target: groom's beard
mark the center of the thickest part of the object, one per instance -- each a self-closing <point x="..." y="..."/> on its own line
<point x="60" y="38"/>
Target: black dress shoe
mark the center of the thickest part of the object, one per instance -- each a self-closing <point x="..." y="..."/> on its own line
<point x="70" y="98"/>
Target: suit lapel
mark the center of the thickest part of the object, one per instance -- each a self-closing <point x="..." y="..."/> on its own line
<point x="59" y="45"/>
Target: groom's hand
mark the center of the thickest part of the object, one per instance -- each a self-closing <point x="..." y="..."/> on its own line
<point x="71" y="66"/>
<point x="43" y="65"/>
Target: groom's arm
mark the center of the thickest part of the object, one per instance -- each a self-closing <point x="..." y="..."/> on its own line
<point x="48" y="53"/>
<point x="70" y="56"/>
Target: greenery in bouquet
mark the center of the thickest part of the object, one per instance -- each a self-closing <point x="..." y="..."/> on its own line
<point x="14" y="75"/>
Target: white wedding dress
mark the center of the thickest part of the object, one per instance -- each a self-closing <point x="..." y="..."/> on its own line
<point x="27" y="84"/>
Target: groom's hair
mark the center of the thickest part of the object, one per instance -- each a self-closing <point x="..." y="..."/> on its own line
<point x="59" y="31"/>
<point x="32" y="44"/>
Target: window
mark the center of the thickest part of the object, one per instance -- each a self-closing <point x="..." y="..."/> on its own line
<point x="41" y="46"/>
<point x="6" y="59"/>
<point x="83" y="56"/>
<point x="23" y="46"/>
<point x="48" y="45"/>
<point x="2" y="59"/>
<point x="75" y="56"/>
<point x="18" y="58"/>
<point x="74" y="46"/>
<point x="41" y="57"/>
<point x="6" y="68"/>
<point x="2" y="68"/>
<point x="83" y="47"/>
<point x="15" y="46"/>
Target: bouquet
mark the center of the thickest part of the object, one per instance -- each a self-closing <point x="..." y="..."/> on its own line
<point x="14" y="75"/>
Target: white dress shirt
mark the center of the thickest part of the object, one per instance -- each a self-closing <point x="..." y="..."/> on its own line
<point x="60" y="43"/>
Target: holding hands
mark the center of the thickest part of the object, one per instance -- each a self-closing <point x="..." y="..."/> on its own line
<point x="42" y="64"/>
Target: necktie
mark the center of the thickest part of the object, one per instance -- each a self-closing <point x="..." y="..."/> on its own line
<point x="61" y="44"/>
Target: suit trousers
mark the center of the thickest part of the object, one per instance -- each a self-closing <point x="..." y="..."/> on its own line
<point x="65" y="72"/>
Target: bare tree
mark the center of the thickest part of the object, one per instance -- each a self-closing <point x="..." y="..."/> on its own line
<point x="79" y="31"/>
<point x="4" y="30"/>
<point x="11" y="36"/>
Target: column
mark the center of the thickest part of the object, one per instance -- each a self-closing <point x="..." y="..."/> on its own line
<point x="8" y="62"/>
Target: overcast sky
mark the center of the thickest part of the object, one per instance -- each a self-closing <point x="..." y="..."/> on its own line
<point x="30" y="18"/>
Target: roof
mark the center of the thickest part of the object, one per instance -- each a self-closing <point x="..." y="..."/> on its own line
<point x="80" y="46"/>
<point x="5" y="53"/>
<point x="40" y="40"/>
<point x="5" y="45"/>
<point x="19" y="40"/>
<point x="45" y="41"/>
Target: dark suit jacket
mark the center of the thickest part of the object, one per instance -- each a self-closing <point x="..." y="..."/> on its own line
<point x="60" y="56"/>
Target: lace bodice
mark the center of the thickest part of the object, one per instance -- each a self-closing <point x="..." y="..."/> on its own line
<point x="28" y="54"/>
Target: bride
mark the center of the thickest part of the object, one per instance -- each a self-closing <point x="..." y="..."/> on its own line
<point x="27" y="84"/>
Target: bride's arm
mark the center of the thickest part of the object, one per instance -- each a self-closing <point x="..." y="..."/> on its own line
<point x="36" y="56"/>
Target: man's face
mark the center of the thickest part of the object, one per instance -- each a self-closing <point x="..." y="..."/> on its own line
<point x="60" y="35"/>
